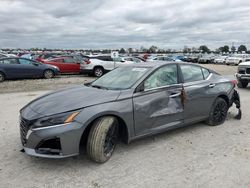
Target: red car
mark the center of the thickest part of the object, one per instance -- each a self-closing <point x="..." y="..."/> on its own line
<point x="65" y="64"/>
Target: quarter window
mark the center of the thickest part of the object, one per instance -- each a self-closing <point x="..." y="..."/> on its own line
<point x="164" y="76"/>
<point x="191" y="73"/>
<point x="205" y="73"/>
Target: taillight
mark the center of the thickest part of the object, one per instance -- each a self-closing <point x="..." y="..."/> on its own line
<point x="88" y="62"/>
<point x="234" y="82"/>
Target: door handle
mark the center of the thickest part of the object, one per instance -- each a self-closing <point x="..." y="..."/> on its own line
<point x="173" y="95"/>
<point x="211" y="85"/>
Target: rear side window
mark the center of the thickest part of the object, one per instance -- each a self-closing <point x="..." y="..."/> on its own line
<point x="9" y="61"/>
<point x="205" y="73"/>
<point x="69" y="60"/>
<point x="191" y="73"/>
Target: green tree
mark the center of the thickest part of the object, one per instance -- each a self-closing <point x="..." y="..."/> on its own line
<point x="204" y="49"/>
<point x="225" y="49"/>
<point x="242" y="48"/>
<point x="153" y="49"/>
<point x="122" y="51"/>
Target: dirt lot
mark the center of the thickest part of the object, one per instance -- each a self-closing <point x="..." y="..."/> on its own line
<point x="195" y="156"/>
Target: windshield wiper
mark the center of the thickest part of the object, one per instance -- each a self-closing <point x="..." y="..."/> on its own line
<point x="99" y="87"/>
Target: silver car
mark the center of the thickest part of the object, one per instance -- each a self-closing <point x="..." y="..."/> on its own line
<point x="127" y="103"/>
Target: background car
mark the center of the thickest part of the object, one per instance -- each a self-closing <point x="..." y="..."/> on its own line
<point x="100" y="65"/>
<point x="220" y="59"/>
<point x="243" y="74"/>
<point x="14" y="68"/>
<point x="66" y="64"/>
<point x="236" y="59"/>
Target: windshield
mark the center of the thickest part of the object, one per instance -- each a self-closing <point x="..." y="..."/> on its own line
<point x="120" y="78"/>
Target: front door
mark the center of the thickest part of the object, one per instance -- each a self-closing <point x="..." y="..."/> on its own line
<point x="159" y="106"/>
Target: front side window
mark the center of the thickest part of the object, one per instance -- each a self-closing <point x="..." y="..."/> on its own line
<point x="164" y="76"/>
<point x="120" y="78"/>
<point x="191" y="73"/>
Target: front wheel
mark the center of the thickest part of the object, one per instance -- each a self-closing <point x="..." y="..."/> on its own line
<point x="102" y="139"/>
<point x="218" y="112"/>
<point x="48" y="74"/>
<point x="2" y="77"/>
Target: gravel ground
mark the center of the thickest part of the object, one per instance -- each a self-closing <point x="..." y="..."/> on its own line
<point x="194" y="156"/>
<point x="71" y="80"/>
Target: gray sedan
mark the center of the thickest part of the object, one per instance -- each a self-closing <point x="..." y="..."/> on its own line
<point x="127" y="103"/>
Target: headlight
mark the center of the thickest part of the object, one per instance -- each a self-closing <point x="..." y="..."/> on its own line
<point x="56" y="119"/>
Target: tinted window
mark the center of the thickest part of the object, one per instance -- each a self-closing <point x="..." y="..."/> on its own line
<point x="164" y="76"/>
<point x="191" y="73"/>
<point x="10" y="61"/>
<point x="69" y="60"/>
<point x="25" y="62"/>
<point x="205" y="73"/>
<point x="104" y="58"/>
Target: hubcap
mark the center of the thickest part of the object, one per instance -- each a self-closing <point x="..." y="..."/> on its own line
<point x="220" y="112"/>
<point x="98" y="72"/>
<point x="48" y="74"/>
<point x="1" y="77"/>
<point x="110" y="140"/>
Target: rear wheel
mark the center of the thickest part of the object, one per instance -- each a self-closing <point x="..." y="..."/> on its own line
<point x="98" y="71"/>
<point x="48" y="74"/>
<point x="102" y="139"/>
<point x="2" y="77"/>
<point x="218" y="112"/>
<point x="242" y="83"/>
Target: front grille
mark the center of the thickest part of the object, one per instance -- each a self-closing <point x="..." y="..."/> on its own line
<point x="241" y="71"/>
<point x="24" y="128"/>
<point x="248" y="70"/>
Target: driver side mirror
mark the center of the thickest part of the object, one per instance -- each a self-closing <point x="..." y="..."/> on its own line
<point x="36" y="64"/>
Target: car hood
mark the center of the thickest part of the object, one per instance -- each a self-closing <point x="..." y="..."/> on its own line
<point x="234" y="58"/>
<point x="67" y="100"/>
<point x="247" y="63"/>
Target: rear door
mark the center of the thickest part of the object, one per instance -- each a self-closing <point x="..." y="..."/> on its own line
<point x="71" y="64"/>
<point x="12" y="68"/>
<point x="199" y="92"/>
<point x="159" y="105"/>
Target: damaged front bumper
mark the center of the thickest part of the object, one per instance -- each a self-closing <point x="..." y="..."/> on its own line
<point x="59" y="141"/>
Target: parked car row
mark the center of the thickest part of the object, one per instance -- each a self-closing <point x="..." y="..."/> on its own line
<point x="234" y="59"/>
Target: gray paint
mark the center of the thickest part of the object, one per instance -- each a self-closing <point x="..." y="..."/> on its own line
<point x="144" y="112"/>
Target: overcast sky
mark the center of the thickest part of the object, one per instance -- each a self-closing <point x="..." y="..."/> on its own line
<point x="123" y="23"/>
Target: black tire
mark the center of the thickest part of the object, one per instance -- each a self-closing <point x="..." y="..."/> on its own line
<point x="48" y="74"/>
<point x="2" y="77"/>
<point x="218" y="113"/>
<point x="242" y="83"/>
<point x="102" y="139"/>
<point x="98" y="71"/>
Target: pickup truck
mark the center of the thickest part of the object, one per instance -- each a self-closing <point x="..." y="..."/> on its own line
<point x="99" y="65"/>
<point x="243" y="74"/>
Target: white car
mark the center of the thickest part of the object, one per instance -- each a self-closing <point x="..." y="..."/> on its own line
<point x="243" y="74"/>
<point x="220" y="60"/>
<point x="237" y="59"/>
<point x="99" y="65"/>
